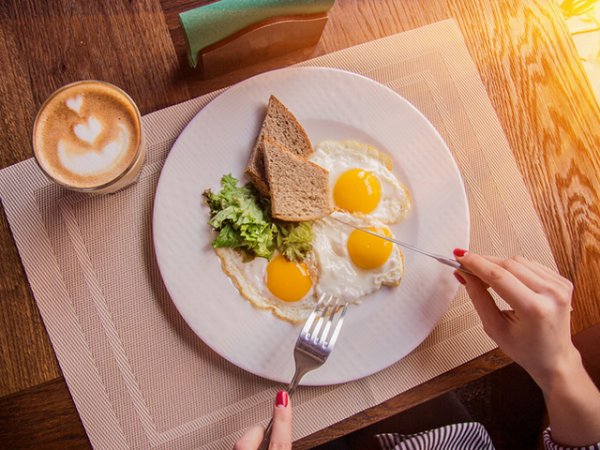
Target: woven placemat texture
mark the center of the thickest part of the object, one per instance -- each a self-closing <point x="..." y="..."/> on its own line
<point x="138" y="375"/>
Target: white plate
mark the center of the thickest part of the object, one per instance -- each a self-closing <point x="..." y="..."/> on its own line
<point x="330" y="104"/>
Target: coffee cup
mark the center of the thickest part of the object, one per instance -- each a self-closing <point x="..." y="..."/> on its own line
<point x="88" y="137"/>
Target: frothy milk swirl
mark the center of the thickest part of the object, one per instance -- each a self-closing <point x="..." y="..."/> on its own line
<point x="93" y="162"/>
<point x="87" y="135"/>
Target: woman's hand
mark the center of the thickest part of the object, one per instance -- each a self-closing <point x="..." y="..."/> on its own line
<point x="536" y="332"/>
<point x="281" y="437"/>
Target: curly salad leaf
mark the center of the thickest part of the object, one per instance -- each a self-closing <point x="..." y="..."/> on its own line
<point x="243" y="220"/>
<point x="294" y="240"/>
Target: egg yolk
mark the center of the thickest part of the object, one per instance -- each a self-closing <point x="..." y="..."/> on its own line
<point x="357" y="190"/>
<point x="289" y="281"/>
<point x="368" y="251"/>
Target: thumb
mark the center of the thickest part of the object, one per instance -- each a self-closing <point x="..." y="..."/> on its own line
<point x="251" y="439"/>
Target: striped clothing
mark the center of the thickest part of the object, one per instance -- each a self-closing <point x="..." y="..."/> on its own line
<point x="549" y="444"/>
<point x="459" y="436"/>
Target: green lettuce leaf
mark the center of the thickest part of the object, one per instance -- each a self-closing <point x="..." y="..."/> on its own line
<point x="295" y="240"/>
<point x="243" y="221"/>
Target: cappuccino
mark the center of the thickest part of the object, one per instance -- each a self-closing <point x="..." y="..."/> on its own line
<point x="87" y="137"/>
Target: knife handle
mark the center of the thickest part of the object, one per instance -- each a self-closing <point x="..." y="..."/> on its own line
<point x="454" y="264"/>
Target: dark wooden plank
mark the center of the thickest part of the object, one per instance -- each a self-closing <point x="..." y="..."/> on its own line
<point x="41" y="417"/>
<point x="26" y="356"/>
<point x="444" y="383"/>
<point x="45" y="45"/>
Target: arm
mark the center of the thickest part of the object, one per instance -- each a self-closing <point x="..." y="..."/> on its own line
<point x="535" y="333"/>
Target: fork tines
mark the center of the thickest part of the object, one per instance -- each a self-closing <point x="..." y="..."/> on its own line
<point x="329" y="315"/>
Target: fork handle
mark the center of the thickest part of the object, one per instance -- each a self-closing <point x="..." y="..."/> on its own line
<point x="295" y="380"/>
<point x="267" y="439"/>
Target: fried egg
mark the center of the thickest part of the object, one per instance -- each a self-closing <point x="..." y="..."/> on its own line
<point x="344" y="262"/>
<point x="353" y="263"/>
<point x="361" y="180"/>
<point x="284" y="287"/>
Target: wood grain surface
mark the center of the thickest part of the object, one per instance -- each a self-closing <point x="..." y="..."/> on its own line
<point x="526" y="60"/>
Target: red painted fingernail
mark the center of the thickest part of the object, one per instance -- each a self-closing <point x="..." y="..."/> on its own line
<point x="460" y="279"/>
<point x="459" y="252"/>
<point x="281" y="399"/>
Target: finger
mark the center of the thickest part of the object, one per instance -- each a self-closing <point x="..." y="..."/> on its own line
<point x="536" y="276"/>
<point x="540" y="269"/>
<point x="549" y="273"/>
<point x="519" y="267"/>
<point x="281" y="437"/>
<point x="507" y="285"/>
<point x="558" y="287"/>
<point x="491" y="317"/>
<point x="251" y="439"/>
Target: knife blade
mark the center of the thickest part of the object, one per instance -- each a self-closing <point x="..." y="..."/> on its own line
<point x="439" y="258"/>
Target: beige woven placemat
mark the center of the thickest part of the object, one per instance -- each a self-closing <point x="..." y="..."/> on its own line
<point x="139" y="377"/>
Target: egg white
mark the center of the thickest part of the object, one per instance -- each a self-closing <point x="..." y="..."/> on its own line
<point x="340" y="156"/>
<point x="338" y="275"/>
<point x="250" y="279"/>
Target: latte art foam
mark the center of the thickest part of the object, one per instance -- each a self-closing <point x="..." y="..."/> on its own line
<point x="87" y="135"/>
<point x="94" y="162"/>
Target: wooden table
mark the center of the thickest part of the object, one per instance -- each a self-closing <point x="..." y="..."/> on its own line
<point x="525" y="57"/>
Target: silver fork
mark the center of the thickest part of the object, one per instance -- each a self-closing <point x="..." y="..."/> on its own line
<point x="314" y="344"/>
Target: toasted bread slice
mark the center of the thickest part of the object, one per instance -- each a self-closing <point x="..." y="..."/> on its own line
<point x="299" y="188"/>
<point x="256" y="167"/>
<point x="280" y="125"/>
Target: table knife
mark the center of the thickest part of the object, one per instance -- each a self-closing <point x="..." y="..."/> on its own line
<point x="442" y="259"/>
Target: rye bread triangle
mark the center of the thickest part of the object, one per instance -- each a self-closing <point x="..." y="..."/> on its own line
<point x="279" y="125"/>
<point x="299" y="188"/>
